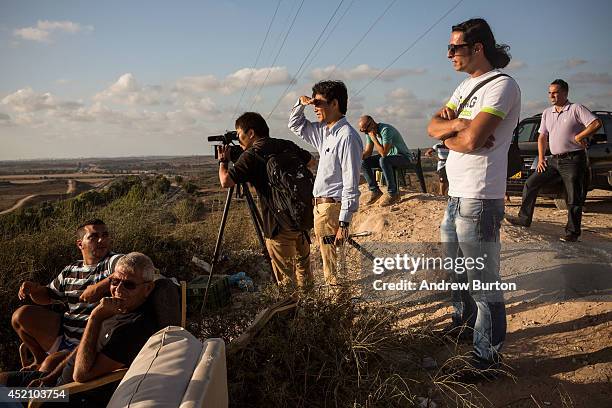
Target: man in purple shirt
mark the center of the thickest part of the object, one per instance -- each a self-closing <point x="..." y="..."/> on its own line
<point x="566" y="127"/>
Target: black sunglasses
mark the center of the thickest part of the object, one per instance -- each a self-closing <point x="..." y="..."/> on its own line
<point x="319" y="102"/>
<point x="452" y="48"/>
<point x="128" y="284"/>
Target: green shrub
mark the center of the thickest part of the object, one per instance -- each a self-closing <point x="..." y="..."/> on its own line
<point x="188" y="210"/>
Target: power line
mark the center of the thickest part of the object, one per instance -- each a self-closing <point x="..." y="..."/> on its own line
<point x="257" y="59"/>
<point x="329" y="35"/>
<point x="277" y="54"/>
<point x="297" y="74"/>
<point x="273" y="48"/>
<point x="409" y="47"/>
<point x="362" y="38"/>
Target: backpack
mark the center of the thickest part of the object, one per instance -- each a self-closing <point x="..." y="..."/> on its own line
<point x="291" y="184"/>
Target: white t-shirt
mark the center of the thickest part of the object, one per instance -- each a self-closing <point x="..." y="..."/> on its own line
<point x="442" y="152"/>
<point x="482" y="173"/>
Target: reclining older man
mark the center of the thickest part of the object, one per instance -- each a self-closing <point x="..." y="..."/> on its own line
<point x="117" y="328"/>
<point x="50" y="335"/>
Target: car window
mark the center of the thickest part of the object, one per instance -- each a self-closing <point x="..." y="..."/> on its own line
<point x="600" y="136"/>
<point x="526" y="130"/>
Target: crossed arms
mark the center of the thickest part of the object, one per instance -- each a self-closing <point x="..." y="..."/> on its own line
<point x="463" y="135"/>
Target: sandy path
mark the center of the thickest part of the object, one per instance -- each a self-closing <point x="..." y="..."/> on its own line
<point x="19" y="204"/>
<point x="559" y="339"/>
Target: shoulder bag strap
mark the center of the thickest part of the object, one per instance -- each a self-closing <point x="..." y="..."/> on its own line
<point x="476" y="88"/>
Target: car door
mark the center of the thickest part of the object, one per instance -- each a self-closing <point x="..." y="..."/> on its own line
<point x="600" y="153"/>
<point x="527" y="135"/>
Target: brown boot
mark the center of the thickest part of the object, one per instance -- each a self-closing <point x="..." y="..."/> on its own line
<point x="389" y="199"/>
<point x="373" y="197"/>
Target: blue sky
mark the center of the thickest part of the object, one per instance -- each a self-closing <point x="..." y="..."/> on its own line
<point x="86" y="79"/>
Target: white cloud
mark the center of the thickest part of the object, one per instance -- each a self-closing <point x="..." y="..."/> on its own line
<point x="531" y="108"/>
<point x="26" y="100"/>
<point x="598" y="101"/>
<point x="363" y="71"/>
<point x="233" y="82"/>
<point x="204" y="105"/>
<point x="355" y="104"/>
<point x="603" y="78"/>
<point x="401" y="104"/>
<point x="574" y="62"/>
<point x="197" y="84"/>
<point x="515" y="65"/>
<point x="43" y="30"/>
<point x="127" y="90"/>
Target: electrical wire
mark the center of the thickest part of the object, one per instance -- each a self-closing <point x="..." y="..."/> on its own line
<point x="330" y="76"/>
<point x="297" y="74"/>
<point x="276" y="57"/>
<point x="257" y="59"/>
<point x="409" y="47"/>
<point x="329" y="35"/>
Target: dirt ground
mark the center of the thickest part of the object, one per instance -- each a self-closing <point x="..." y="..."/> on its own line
<point x="559" y="333"/>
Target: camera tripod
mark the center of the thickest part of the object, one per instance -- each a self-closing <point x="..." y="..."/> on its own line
<point x="242" y="190"/>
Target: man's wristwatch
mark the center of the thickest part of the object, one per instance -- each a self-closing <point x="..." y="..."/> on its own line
<point x="344" y="224"/>
<point x="223" y="162"/>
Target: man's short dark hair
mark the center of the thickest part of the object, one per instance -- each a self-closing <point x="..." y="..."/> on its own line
<point x="477" y="30"/>
<point x="253" y="120"/>
<point x="331" y="90"/>
<point x="562" y="84"/>
<point x="80" y="231"/>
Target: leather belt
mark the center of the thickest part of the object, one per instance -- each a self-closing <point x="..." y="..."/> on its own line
<point x="568" y="154"/>
<point x="321" y="200"/>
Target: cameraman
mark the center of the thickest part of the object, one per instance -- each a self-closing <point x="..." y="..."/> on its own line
<point x="289" y="249"/>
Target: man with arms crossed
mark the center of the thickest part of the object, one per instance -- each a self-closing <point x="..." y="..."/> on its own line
<point x="47" y="334"/>
<point x="478" y="139"/>
<point x="336" y="186"/>
<point x="567" y="127"/>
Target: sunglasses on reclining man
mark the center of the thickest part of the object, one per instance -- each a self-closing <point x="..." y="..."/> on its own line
<point x="127" y="284"/>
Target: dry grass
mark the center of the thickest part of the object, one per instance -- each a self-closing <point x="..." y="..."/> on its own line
<point x="334" y="351"/>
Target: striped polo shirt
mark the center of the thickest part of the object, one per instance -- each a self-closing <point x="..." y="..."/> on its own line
<point x="69" y="285"/>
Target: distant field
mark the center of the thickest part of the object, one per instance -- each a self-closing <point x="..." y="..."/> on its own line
<point x="10" y="193"/>
<point x="62" y="176"/>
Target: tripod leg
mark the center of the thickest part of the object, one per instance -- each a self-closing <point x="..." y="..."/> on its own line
<point x="226" y="208"/>
<point x="257" y="223"/>
<point x="419" y="172"/>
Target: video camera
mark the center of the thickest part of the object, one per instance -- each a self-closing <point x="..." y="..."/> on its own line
<point x="227" y="139"/>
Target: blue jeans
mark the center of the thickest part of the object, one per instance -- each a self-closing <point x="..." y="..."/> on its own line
<point x="470" y="229"/>
<point x="386" y="164"/>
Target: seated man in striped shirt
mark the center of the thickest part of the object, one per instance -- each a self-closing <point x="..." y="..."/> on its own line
<point x="49" y="335"/>
<point x="118" y="327"/>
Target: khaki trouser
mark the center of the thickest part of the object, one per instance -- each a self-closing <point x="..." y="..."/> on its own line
<point x="326" y="223"/>
<point x="290" y="255"/>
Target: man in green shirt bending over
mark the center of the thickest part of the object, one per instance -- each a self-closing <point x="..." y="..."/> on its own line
<point x="391" y="152"/>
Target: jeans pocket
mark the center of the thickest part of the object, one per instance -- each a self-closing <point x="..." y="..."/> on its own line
<point x="470" y="209"/>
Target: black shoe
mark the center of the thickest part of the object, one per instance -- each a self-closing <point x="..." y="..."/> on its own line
<point x="516" y="221"/>
<point x="462" y="334"/>
<point x="569" y="238"/>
